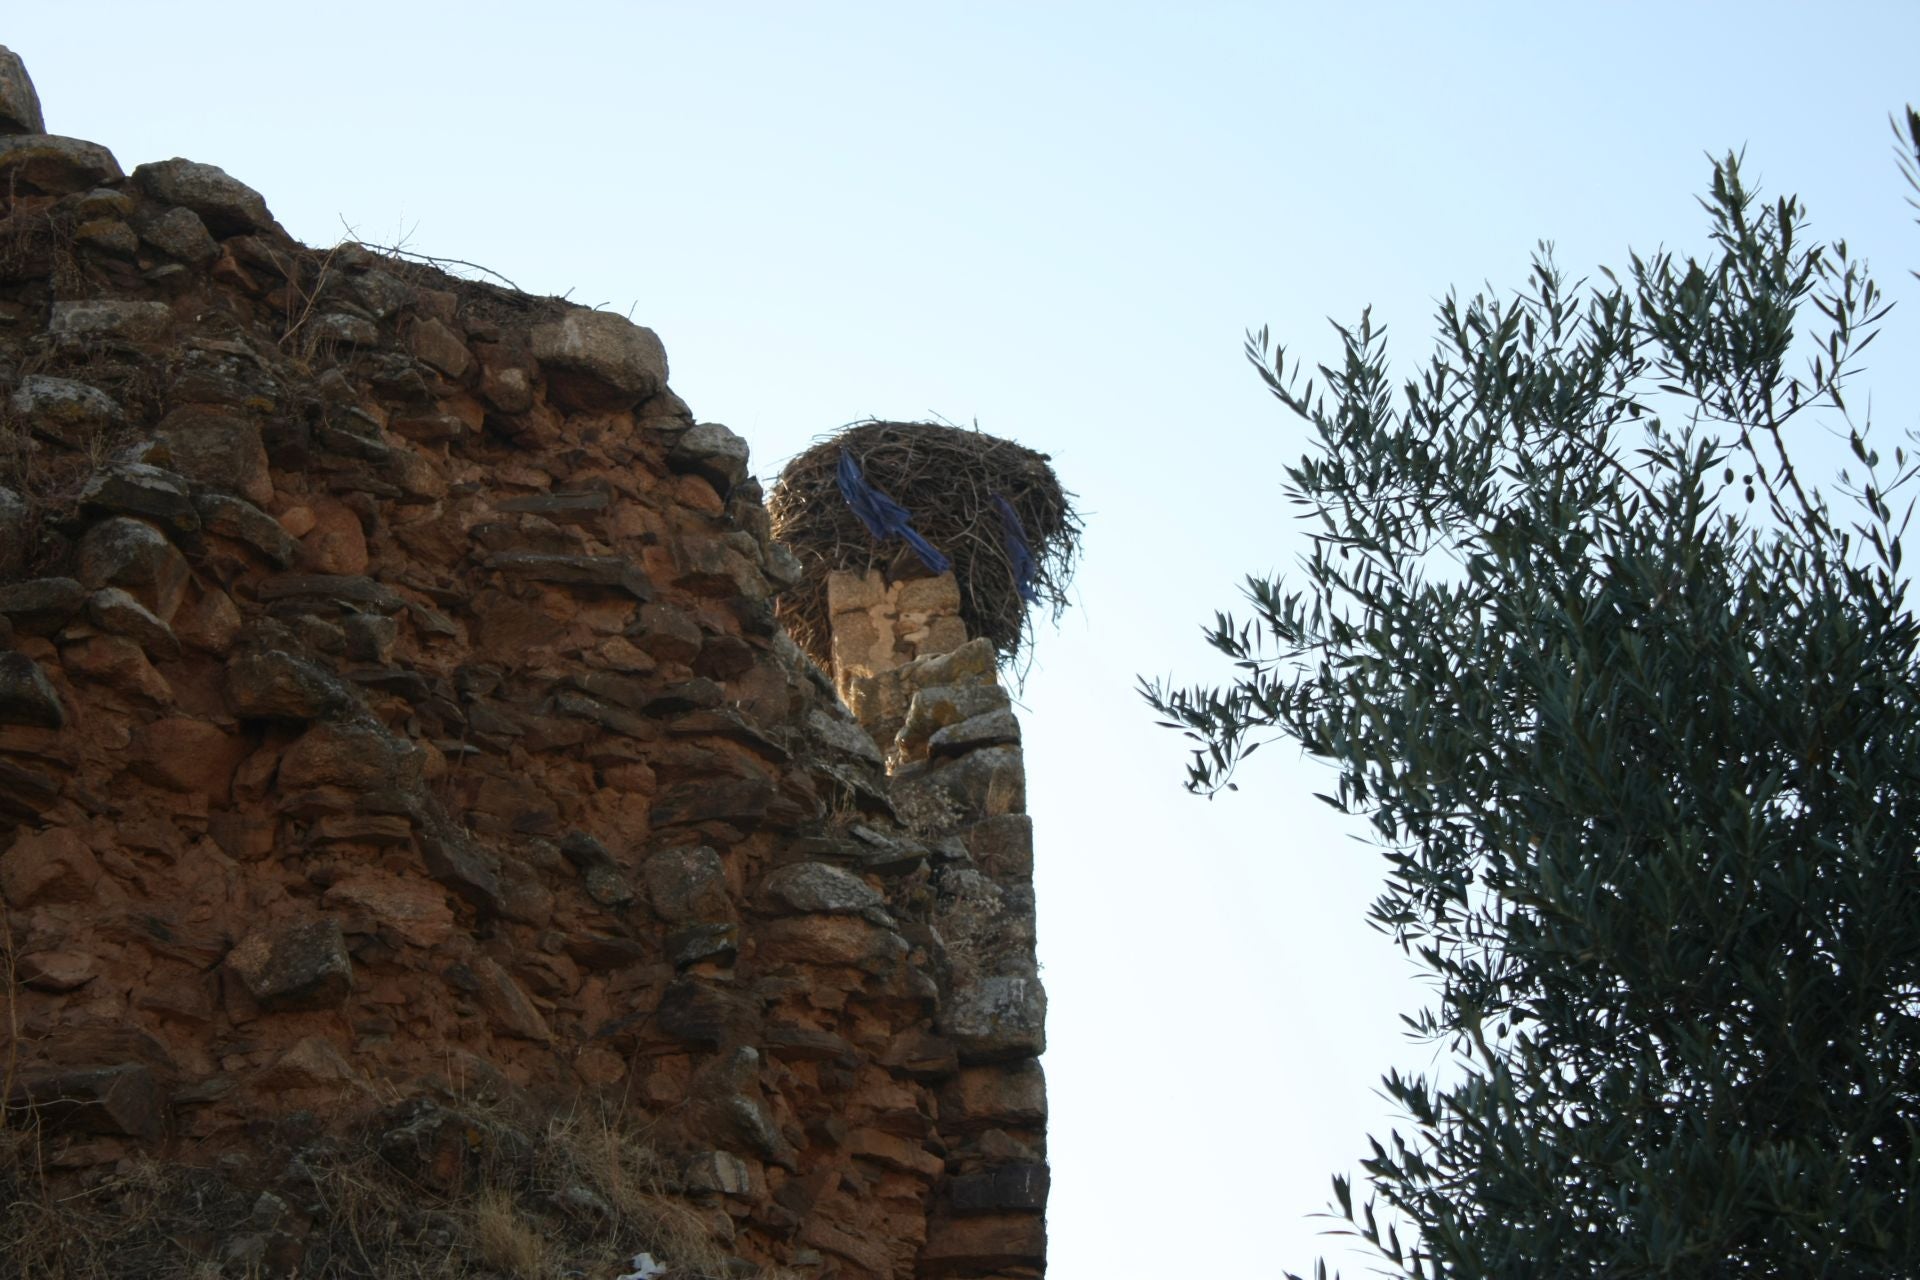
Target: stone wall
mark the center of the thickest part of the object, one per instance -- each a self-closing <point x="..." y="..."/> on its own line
<point x="392" y="711"/>
<point x="957" y="778"/>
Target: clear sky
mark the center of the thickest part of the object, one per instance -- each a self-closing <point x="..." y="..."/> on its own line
<point x="1057" y="219"/>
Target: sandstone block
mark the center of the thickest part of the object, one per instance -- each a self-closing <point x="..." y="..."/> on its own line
<point x="336" y="543"/>
<point x="441" y="349"/>
<point x="227" y="205"/>
<point x="210" y="622"/>
<point x="294" y="966"/>
<point x="993" y="729"/>
<point x="187" y="755"/>
<point x="57" y="971"/>
<point x="414" y="909"/>
<point x="895" y="1152"/>
<point x="355" y="756"/>
<point x="312" y="1062"/>
<point x="54" y="865"/>
<point x="119" y="663"/>
<point x="509" y="1006"/>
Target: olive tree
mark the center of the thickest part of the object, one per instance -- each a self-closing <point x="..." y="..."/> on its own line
<point x="1633" y="706"/>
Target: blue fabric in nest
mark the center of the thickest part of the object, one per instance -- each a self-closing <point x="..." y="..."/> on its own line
<point x="884" y="517"/>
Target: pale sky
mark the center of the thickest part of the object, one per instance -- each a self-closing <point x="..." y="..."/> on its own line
<point x="1057" y="220"/>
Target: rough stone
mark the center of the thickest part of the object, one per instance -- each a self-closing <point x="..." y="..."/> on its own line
<point x="440" y="348"/>
<point x="45" y="164"/>
<point x="718" y="1172"/>
<point x="1004" y="1094"/>
<point x="179" y="233"/>
<point x="598" y="360"/>
<point x="62" y="410"/>
<point x="118" y="663"/>
<point x="294" y="966"/>
<point x="818" y="886"/>
<point x="141" y="489"/>
<point x="240" y="520"/>
<point x="193" y="757"/>
<point x="358" y="757"/>
<point x="217" y="450"/>
<point x="58" y="971"/>
<point x="134" y="555"/>
<point x="712" y="451"/>
<point x="842" y="736"/>
<point x="41" y="606"/>
<point x="685" y="884"/>
<point x="278" y="685"/>
<point x="993" y="729"/>
<point x="123" y="1099"/>
<point x="210" y="622"/>
<point x="1001" y="1016"/>
<point x="117" y="612"/>
<point x="508" y="1005"/>
<point x="19" y="104"/>
<point x="92" y="318"/>
<point x="227" y="205"/>
<point x="48" y="866"/>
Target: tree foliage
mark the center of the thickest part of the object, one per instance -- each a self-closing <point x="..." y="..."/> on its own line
<point x="1634" y="709"/>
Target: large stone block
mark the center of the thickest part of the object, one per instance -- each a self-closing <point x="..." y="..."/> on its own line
<point x="598" y="360"/>
<point x="294" y="966"/>
<point x="19" y="103"/>
<point x="995" y="1017"/>
<point x="43" y="164"/>
<point x="54" y="865"/>
<point x="982" y="1245"/>
<point x="227" y="205"/>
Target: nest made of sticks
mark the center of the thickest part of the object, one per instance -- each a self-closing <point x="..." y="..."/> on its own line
<point x="947" y="478"/>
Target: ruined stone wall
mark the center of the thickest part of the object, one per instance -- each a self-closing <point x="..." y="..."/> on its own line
<point x="392" y="710"/>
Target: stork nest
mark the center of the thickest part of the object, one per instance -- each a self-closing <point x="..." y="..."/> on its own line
<point x="946" y="477"/>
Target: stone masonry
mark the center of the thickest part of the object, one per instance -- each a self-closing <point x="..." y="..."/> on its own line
<point x="392" y="706"/>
